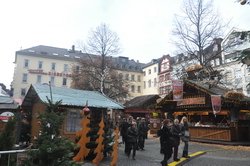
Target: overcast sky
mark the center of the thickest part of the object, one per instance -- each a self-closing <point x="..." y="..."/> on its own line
<point x="144" y="26"/>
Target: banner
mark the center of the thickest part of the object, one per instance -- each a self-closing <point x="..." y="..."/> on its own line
<point x="216" y="103"/>
<point x="177" y="86"/>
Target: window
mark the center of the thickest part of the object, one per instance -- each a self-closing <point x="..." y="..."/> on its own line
<point x="64" y="82"/>
<point x="167" y="89"/>
<point x="139" y="89"/>
<point x="25" y="78"/>
<point x="127" y="77"/>
<point x="65" y="68"/>
<point x="149" y="71"/>
<point x="247" y="71"/>
<point x="26" y="63"/>
<point x="132" y="88"/>
<point x="167" y="77"/>
<point x="132" y="77"/>
<point x="149" y="83"/>
<point x="144" y="73"/>
<point x="155" y="69"/>
<point x="217" y="61"/>
<point x="238" y="80"/>
<point x="144" y="84"/>
<point x="52" y="80"/>
<point x="39" y="79"/>
<point x="155" y="82"/>
<point x="77" y="69"/>
<point x="139" y="78"/>
<point x="73" y="118"/>
<point x="238" y="73"/>
<point x="23" y="92"/>
<point x="53" y="66"/>
<point x="40" y="65"/>
<point x="120" y="76"/>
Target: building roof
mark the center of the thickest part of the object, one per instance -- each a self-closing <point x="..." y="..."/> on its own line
<point x="7" y="103"/>
<point x="142" y="101"/>
<point x="70" y="97"/>
<point x="52" y="53"/>
<point x="124" y="63"/>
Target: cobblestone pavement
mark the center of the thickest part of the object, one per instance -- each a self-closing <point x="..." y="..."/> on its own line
<point x="214" y="156"/>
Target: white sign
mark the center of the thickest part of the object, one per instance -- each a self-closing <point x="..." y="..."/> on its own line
<point x="5" y="116"/>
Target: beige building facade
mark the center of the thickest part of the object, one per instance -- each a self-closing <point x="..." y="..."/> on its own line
<point x="45" y="64"/>
<point x="150" y="78"/>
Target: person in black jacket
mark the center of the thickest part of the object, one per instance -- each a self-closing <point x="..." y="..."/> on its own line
<point x="142" y="129"/>
<point x="166" y="144"/>
<point x="124" y="129"/>
<point x="132" y="134"/>
<point x="176" y="134"/>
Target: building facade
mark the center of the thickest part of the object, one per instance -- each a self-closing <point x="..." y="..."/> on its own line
<point x="44" y="64"/>
<point x="150" y="78"/>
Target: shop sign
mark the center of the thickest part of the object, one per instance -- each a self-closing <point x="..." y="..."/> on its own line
<point x="41" y="72"/>
<point x="191" y="101"/>
<point x="155" y="113"/>
<point x="5" y="116"/>
<point x="177" y="86"/>
<point x="216" y="103"/>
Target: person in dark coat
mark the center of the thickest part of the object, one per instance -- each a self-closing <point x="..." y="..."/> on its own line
<point x="124" y="129"/>
<point x="176" y="134"/>
<point x="142" y="129"/>
<point x="165" y="142"/>
<point x="185" y="136"/>
<point x="132" y="135"/>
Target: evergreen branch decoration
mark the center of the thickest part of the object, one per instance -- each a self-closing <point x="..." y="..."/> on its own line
<point x="84" y="151"/>
<point x="115" y="147"/>
<point x="100" y="146"/>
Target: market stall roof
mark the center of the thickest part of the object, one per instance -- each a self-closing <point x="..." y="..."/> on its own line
<point x="142" y="101"/>
<point x="209" y="89"/>
<point x="7" y="103"/>
<point x="70" y="97"/>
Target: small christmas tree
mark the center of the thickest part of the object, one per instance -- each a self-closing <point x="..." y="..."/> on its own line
<point x="7" y="139"/>
<point x="53" y="148"/>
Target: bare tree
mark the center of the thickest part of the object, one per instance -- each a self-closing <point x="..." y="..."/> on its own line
<point x="96" y="70"/>
<point x="197" y="28"/>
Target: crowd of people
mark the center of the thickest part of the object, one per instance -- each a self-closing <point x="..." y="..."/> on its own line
<point x="134" y="132"/>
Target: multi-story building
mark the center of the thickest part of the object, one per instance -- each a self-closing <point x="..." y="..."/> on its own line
<point x="236" y="74"/>
<point x="165" y="79"/>
<point x="41" y="65"/>
<point x="44" y="64"/>
<point x="131" y="72"/>
<point x="150" y="77"/>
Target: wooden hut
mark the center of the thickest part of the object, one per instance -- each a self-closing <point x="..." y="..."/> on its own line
<point x="73" y="101"/>
<point x="138" y="107"/>
<point x="231" y="123"/>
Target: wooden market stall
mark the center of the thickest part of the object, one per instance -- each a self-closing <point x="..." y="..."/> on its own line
<point x="73" y="101"/>
<point x="138" y="107"/>
<point x="231" y="123"/>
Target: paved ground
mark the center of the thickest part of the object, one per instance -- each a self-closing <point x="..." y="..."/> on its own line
<point x="202" y="154"/>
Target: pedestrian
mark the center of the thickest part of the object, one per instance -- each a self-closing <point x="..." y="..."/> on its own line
<point x="142" y="130"/>
<point x="122" y="131"/>
<point x="185" y="136"/>
<point x="165" y="141"/>
<point x="132" y="134"/>
<point x="125" y="127"/>
<point x="176" y="134"/>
